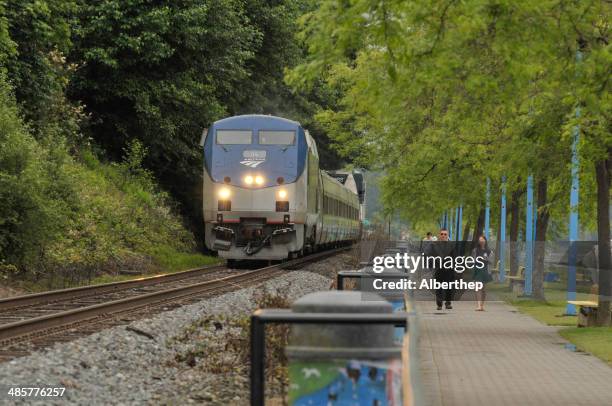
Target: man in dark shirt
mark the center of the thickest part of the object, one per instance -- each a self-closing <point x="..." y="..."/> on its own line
<point x="441" y="249"/>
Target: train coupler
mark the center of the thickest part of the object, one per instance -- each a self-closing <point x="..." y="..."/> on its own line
<point x="223" y="240"/>
<point x="283" y="235"/>
<point x="282" y="231"/>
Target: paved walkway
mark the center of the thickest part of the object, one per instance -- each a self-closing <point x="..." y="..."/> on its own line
<point x="502" y="357"/>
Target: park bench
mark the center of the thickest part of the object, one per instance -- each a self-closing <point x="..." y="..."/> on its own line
<point x="517" y="282"/>
<point x="587" y="312"/>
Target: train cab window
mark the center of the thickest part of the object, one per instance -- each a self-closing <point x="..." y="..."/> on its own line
<point x="276" y="137"/>
<point x="234" y="137"/>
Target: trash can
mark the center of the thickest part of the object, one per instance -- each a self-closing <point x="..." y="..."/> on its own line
<point x="343" y="364"/>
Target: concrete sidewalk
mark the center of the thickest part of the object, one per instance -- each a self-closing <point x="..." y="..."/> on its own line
<point x="502" y="357"/>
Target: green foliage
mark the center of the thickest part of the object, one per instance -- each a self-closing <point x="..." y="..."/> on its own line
<point x="442" y="94"/>
<point x="158" y="72"/>
<point x="123" y="219"/>
<point x="35" y="196"/>
<point x="40" y="32"/>
<point x="60" y="215"/>
<point x="161" y="72"/>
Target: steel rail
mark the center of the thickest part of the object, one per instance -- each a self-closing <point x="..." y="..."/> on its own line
<point x="26" y="327"/>
<point x="84" y="291"/>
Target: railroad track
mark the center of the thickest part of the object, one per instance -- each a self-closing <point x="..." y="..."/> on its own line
<point x="57" y="316"/>
<point x="40" y="304"/>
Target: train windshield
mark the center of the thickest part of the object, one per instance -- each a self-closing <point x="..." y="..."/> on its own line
<point x="276" y="137"/>
<point x="234" y="137"/>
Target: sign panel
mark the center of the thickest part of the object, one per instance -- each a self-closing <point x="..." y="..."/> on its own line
<point x="345" y="383"/>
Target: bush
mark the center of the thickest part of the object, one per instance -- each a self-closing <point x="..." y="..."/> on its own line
<point x="61" y="216"/>
<point x="35" y="199"/>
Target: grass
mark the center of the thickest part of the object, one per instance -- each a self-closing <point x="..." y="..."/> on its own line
<point x="551" y="311"/>
<point x="595" y="340"/>
<point x="172" y="260"/>
<point x="166" y="260"/>
<point x="169" y="260"/>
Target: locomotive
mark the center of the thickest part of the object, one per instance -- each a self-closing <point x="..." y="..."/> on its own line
<point x="265" y="196"/>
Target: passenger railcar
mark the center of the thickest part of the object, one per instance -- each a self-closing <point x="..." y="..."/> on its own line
<point x="264" y="194"/>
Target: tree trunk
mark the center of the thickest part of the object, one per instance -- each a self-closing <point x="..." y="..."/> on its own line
<point x="461" y="239"/>
<point x="479" y="227"/>
<point x="515" y="212"/>
<point x="541" y="228"/>
<point x="466" y="230"/>
<point x="603" y="174"/>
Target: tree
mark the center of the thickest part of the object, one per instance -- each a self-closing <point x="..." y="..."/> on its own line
<point x="157" y="72"/>
<point x="443" y="94"/>
<point x="40" y="32"/>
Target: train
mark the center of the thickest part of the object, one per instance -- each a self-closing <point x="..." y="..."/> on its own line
<point x="265" y="196"/>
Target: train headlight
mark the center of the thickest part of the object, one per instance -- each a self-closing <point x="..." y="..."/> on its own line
<point x="259" y="180"/>
<point x="282" y="194"/>
<point x="224" y="193"/>
<point x="248" y="180"/>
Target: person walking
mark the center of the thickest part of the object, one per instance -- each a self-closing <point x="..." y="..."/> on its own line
<point x="481" y="269"/>
<point x="425" y="242"/>
<point x="443" y="248"/>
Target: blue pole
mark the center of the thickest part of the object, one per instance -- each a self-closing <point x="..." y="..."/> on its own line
<point x="459" y="221"/>
<point x="488" y="210"/>
<point x="529" y="238"/>
<point x="573" y="220"/>
<point x="502" y="236"/>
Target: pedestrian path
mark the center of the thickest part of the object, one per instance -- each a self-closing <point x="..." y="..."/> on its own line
<point x="502" y="357"/>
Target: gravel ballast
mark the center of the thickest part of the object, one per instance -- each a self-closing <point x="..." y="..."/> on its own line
<point x="123" y="365"/>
